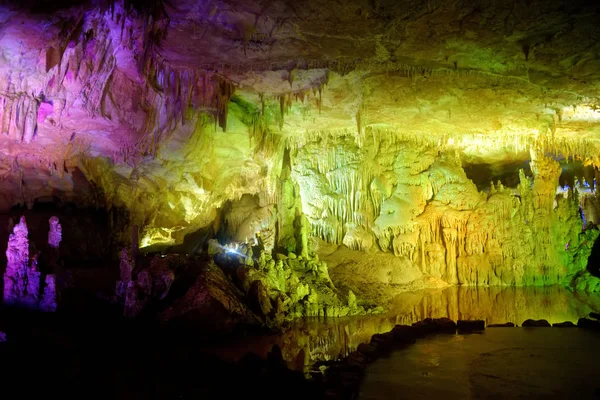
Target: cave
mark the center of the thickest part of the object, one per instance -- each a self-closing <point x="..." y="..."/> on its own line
<point x="300" y="199"/>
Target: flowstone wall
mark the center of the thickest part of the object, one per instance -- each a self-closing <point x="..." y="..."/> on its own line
<point x="415" y="201"/>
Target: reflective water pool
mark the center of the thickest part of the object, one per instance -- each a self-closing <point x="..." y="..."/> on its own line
<point x="309" y="340"/>
<point x="525" y="363"/>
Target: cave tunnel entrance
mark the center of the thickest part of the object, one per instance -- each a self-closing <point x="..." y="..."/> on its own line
<point x="572" y="169"/>
<point x="484" y="173"/>
<point x="506" y="170"/>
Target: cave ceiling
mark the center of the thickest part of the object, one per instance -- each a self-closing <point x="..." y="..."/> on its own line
<point x="104" y="99"/>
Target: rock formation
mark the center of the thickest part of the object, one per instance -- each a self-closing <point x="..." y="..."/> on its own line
<point x="357" y="126"/>
<point x="151" y="285"/>
<point x="54" y="239"/>
<point x="126" y="267"/>
<point x="49" y="301"/>
<point x="55" y="233"/>
<point x="22" y="279"/>
<point x="17" y="268"/>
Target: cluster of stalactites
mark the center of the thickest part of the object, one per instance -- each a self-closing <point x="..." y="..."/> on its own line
<point x="22" y="279"/>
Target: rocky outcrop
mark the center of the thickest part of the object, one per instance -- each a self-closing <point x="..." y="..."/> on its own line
<point x="55" y="233"/>
<point x="54" y="239"/>
<point x="151" y="285"/>
<point x="126" y="266"/>
<point x="49" y="300"/>
<point x="22" y="279"/>
<point x="287" y="286"/>
<point x="17" y="268"/>
<point x="540" y="323"/>
<point x="213" y="304"/>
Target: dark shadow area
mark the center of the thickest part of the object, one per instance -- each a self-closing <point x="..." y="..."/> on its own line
<point x="593" y="264"/>
<point x="483" y="174"/>
<point x="572" y="169"/>
<point x="97" y="354"/>
<point x="90" y="236"/>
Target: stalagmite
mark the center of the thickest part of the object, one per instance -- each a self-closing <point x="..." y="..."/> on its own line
<point x="123" y="285"/>
<point x="49" y="301"/>
<point x="55" y="233"/>
<point x="17" y="254"/>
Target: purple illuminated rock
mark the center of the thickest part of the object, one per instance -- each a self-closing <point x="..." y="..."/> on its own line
<point x="126" y="267"/>
<point x="55" y="233"/>
<point x="134" y="300"/>
<point x="34" y="277"/>
<point x="2" y="337"/>
<point x="49" y="301"/>
<point x="151" y="284"/>
<point x="17" y="255"/>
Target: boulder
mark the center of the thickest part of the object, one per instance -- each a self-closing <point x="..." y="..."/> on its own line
<point x="425" y="327"/>
<point x="540" y="323"/>
<point x="566" y="324"/>
<point x="588" y="323"/>
<point x="383" y="341"/>
<point x="504" y="325"/>
<point x="437" y="325"/>
<point x="445" y="325"/>
<point x="213" y="305"/>
<point x="214" y="247"/>
<point x="49" y="301"/>
<point x="369" y="350"/>
<point x="404" y="334"/>
<point x="258" y="298"/>
<point x="275" y="358"/>
<point x="358" y="359"/>
<point x="465" y="326"/>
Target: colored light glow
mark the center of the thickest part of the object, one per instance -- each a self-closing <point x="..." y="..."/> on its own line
<point x="583" y="112"/>
<point x="160" y="235"/>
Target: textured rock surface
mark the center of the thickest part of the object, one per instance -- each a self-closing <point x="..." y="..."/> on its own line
<point x="213" y="303"/>
<point x="22" y="279"/>
<point x="151" y="285"/>
<point x="17" y="254"/>
<point x="351" y="122"/>
<point x="55" y="233"/>
<point x="49" y="300"/>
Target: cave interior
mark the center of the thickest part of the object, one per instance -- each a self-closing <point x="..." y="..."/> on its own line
<point x="178" y="176"/>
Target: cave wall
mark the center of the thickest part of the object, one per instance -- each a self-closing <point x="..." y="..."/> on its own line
<point x="298" y="125"/>
<point x="416" y="202"/>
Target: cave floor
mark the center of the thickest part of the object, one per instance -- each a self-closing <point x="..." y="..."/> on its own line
<point x="531" y="363"/>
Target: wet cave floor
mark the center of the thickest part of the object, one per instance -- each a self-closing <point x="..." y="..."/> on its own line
<point x="502" y="363"/>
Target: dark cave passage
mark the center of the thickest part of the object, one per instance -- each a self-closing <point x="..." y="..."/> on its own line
<point x="593" y="265"/>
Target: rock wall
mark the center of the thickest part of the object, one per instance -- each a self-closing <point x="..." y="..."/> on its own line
<point x="415" y="201"/>
<point x="22" y="278"/>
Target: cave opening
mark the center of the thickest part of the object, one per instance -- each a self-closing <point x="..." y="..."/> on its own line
<point x="483" y="174"/>
<point x="593" y="262"/>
